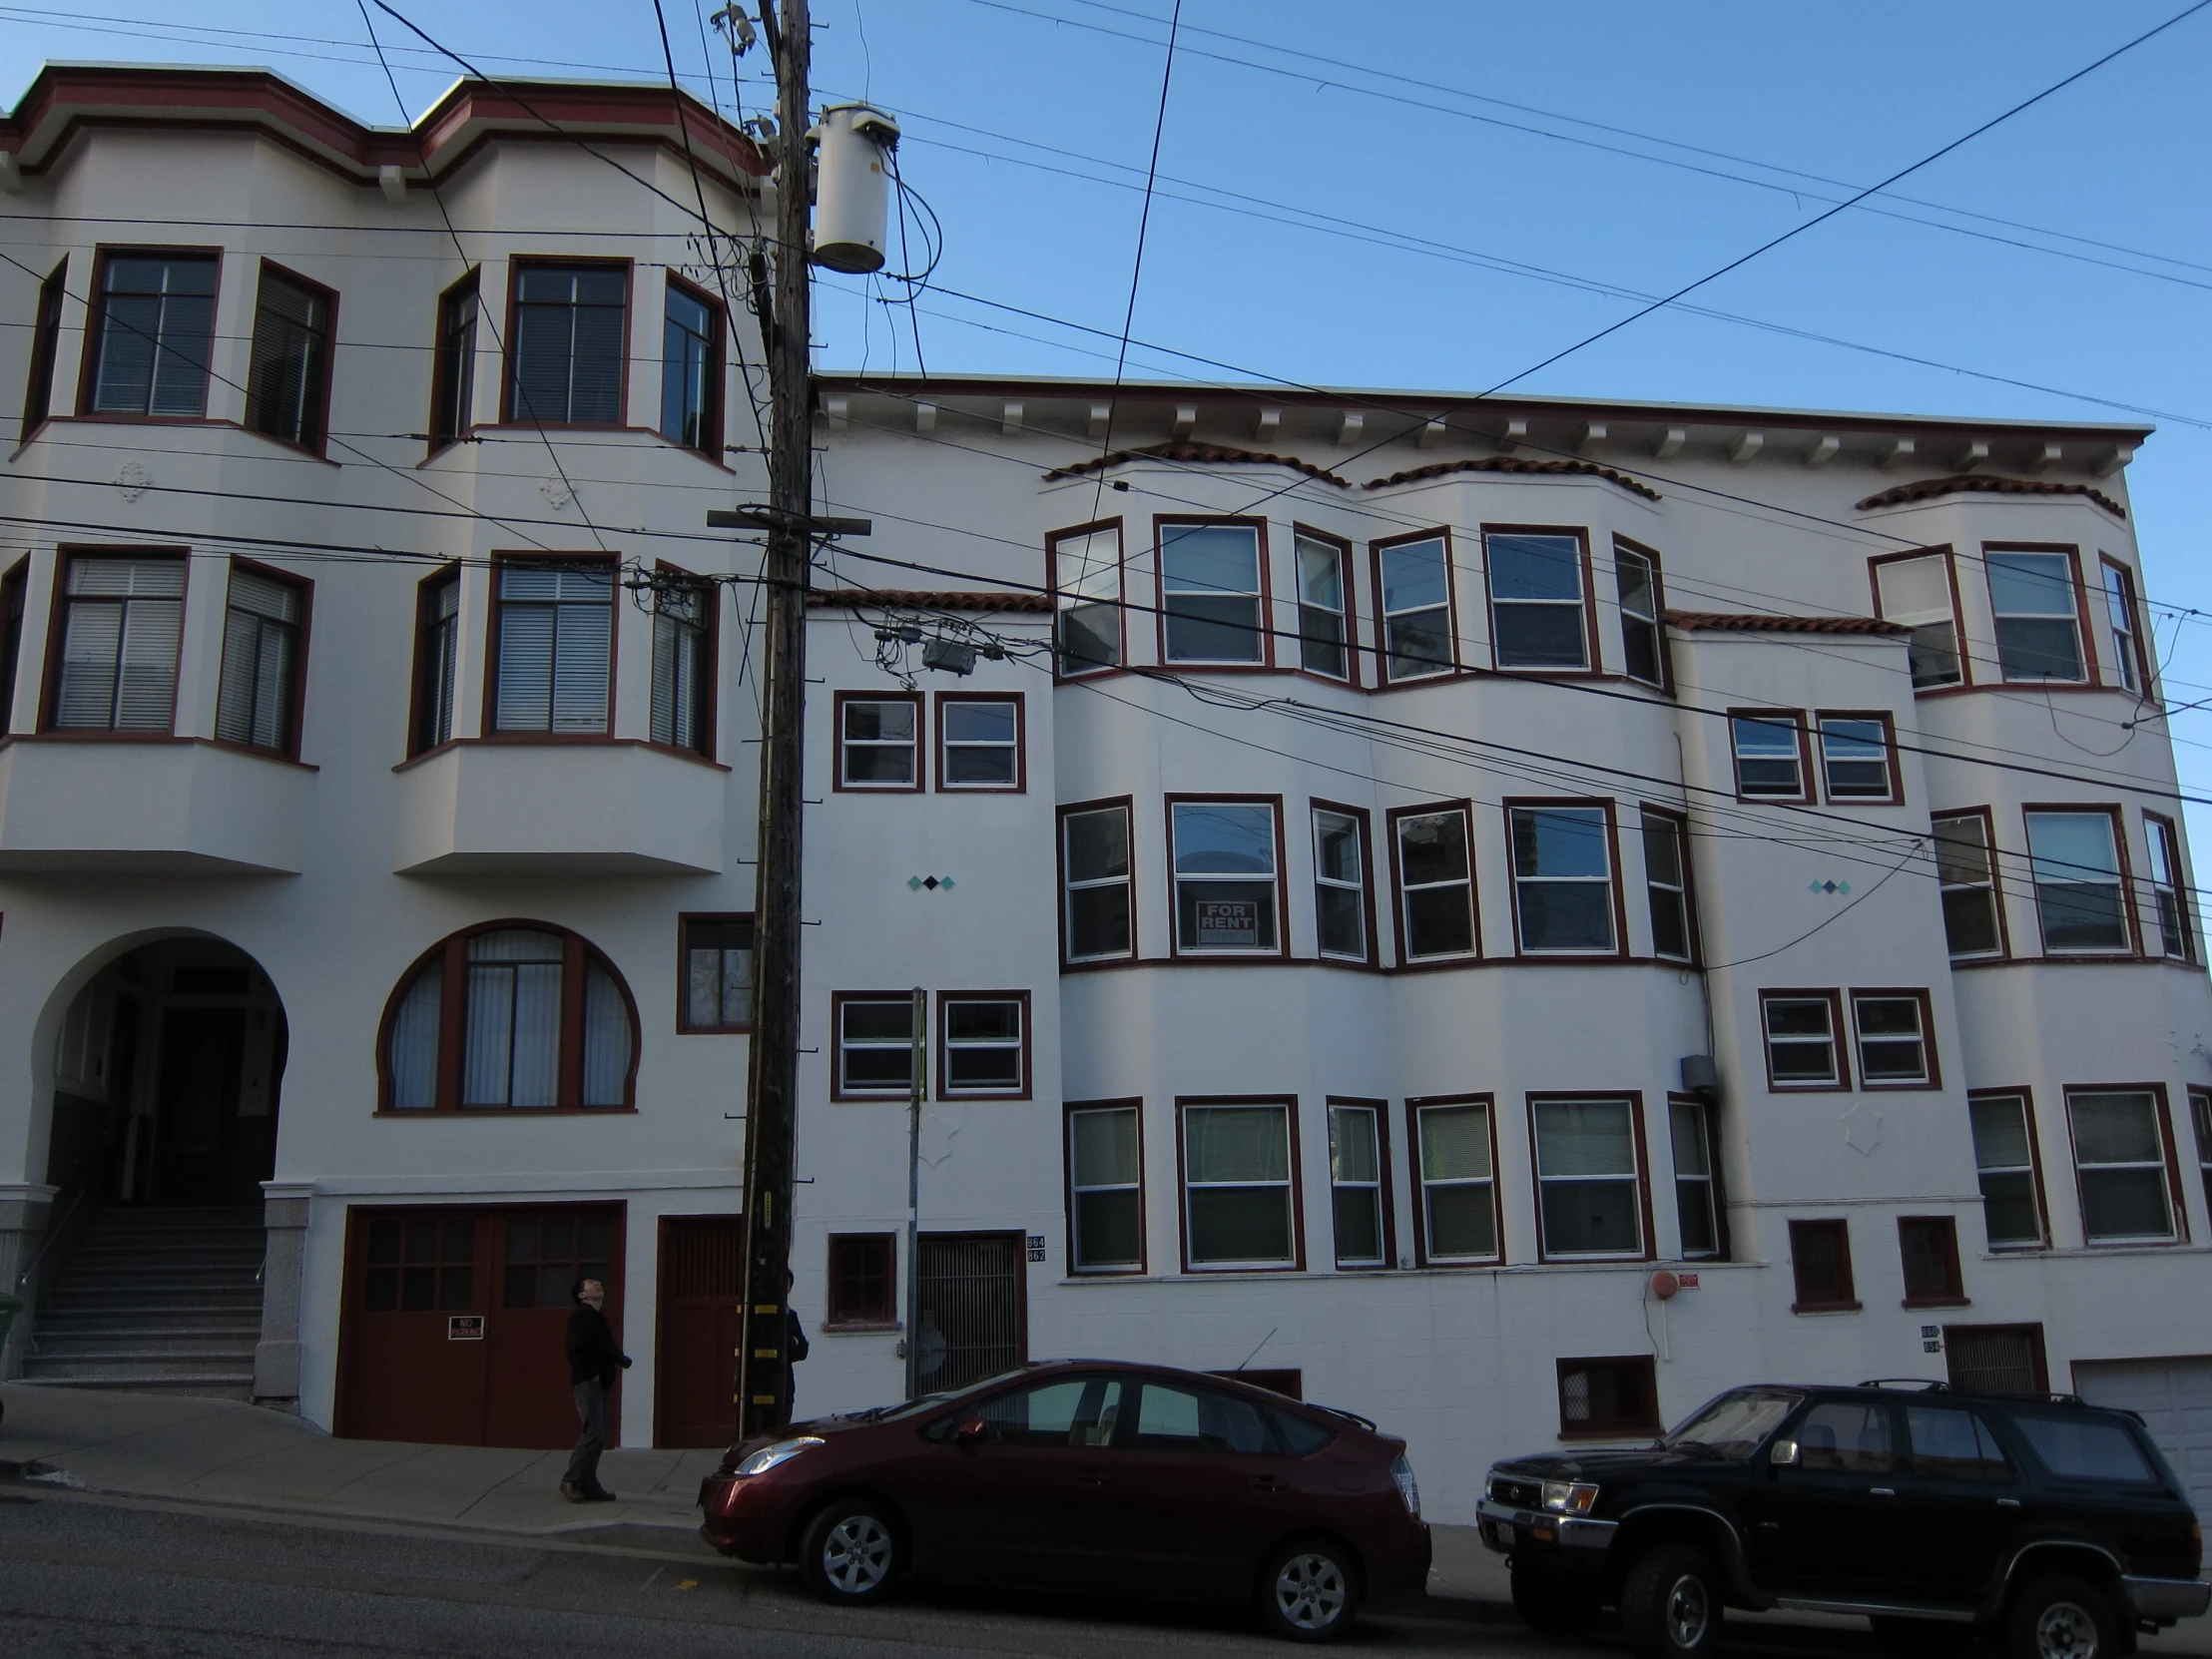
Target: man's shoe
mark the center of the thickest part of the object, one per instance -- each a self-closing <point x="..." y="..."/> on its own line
<point x="573" y="1492"/>
<point x="599" y="1495"/>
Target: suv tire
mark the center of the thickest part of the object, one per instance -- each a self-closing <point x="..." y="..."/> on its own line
<point x="851" y="1553"/>
<point x="2063" y="1617"/>
<point x="1671" y="1604"/>
<point x="1307" y="1591"/>
<point x="1551" y="1604"/>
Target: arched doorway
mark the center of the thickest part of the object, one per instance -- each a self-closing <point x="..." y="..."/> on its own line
<point x="168" y="1073"/>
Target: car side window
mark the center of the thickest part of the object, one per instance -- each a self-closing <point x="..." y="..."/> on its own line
<point x="1073" y="1411"/>
<point x="2083" y="1448"/>
<point x="1846" y="1437"/>
<point x="1951" y="1444"/>
<point x="1194" y="1419"/>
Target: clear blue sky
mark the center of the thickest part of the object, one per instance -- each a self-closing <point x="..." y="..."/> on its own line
<point x="2071" y="247"/>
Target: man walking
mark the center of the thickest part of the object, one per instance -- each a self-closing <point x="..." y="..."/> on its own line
<point x="593" y="1364"/>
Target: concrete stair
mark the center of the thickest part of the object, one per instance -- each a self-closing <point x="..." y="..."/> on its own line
<point x="158" y="1302"/>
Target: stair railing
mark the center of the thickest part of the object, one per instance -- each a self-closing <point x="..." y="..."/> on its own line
<point x="53" y="1232"/>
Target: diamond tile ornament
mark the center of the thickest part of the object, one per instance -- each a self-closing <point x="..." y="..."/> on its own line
<point x="917" y="884"/>
<point x="1832" y="889"/>
<point x="914" y="884"/>
<point x="1863" y="1130"/>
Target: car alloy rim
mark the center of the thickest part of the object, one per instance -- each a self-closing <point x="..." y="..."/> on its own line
<point x="1310" y="1591"/>
<point x="1688" y="1611"/>
<point x="2065" y="1631"/>
<point x="857" y="1556"/>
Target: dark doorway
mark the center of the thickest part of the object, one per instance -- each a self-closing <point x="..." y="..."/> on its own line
<point x="694" y="1370"/>
<point x="195" y="1121"/>
<point x="456" y="1318"/>
<point x="971" y="1321"/>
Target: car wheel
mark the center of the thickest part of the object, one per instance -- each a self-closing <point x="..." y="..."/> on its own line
<point x="1922" y="1638"/>
<point x="1305" y="1591"/>
<point x="2064" y="1618"/>
<point x="1671" y="1604"/>
<point x="850" y="1553"/>
<point x="1552" y="1605"/>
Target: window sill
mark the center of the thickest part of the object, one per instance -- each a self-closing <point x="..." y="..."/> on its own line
<point x="450" y="1114"/>
<point x="1826" y="1307"/>
<point x="682" y="1030"/>
<point x="858" y="1328"/>
<point x="556" y="740"/>
<point x="1923" y="1086"/>
<point x="90" y="735"/>
<point x="1937" y="1302"/>
<point x="299" y="450"/>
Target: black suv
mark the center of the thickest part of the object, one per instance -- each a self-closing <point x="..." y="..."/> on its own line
<point x="1938" y="1515"/>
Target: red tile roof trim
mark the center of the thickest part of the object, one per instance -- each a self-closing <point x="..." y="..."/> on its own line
<point x="1756" y="622"/>
<point x="1928" y="488"/>
<point x="1204" y="454"/>
<point x="1518" y="463"/>
<point x="919" y="598"/>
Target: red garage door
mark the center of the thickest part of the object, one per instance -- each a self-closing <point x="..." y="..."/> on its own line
<point x="455" y="1320"/>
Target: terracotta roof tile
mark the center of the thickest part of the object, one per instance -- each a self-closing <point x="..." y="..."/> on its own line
<point x="1926" y="489"/>
<point x="1758" y="622"/>
<point x="922" y="599"/>
<point x="1209" y="454"/>
<point x="1518" y="463"/>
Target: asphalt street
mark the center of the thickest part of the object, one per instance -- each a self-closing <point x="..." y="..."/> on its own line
<point x="90" y="1577"/>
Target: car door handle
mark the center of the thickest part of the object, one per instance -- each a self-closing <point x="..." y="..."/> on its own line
<point x="2008" y="1503"/>
<point x="1882" y="1491"/>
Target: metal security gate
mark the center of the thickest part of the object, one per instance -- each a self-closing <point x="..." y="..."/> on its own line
<point x="1996" y="1359"/>
<point x="971" y="1319"/>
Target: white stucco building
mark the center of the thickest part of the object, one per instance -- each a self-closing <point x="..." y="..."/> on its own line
<point x="1360" y="809"/>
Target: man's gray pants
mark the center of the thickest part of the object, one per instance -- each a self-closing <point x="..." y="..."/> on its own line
<point x="583" y="1462"/>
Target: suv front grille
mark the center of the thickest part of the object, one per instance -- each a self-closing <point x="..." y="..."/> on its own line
<point x="1521" y="1494"/>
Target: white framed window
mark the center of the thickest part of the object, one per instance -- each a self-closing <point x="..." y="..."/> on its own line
<point x="1770" y="756"/>
<point x="1459" y="1180"/>
<point x="2119" y="612"/>
<point x="1892" y="1032"/>
<point x="1436" y="880"/>
<point x="1096" y="919"/>
<point x="978" y="741"/>
<point x="1643" y="645"/>
<point x="2079" y="895"/>
<point x="878" y="741"/>
<point x="1356" y="1176"/>
<point x="2165" y="886"/>
<point x="1341" y="884"/>
<point x="1086" y="599"/>
<point x="1324" y="608"/>
<point x="876" y="1043"/>
<point x="984" y="1045"/>
<point x="1105" y="1189"/>
<point x="121" y="623"/>
<point x="1916" y="593"/>
<point x="1225" y="876"/>
<point x="2004" y="1160"/>
<point x="1854" y="758"/>
<point x="1537" y="614"/>
<point x="2120" y="1165"/>
<point x="1211" y="593"/>
<point x="1562" y="877"/>
<point x="1587" y="1178"/>
<point x="1696" y="1201"/>
<point x="2038" y="620"/>
<point x="1801" y="1039"/>
<point x="1415" y="581"/>
<point x="1667" y="883"/>
<point x="1966" y="876"/>
<point x="1239" y="1206"/>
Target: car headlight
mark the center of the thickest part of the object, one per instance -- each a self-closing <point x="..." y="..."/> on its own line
<point x="782" y="1451"/>
<point x="1569" y="1497"/>
<point x="1408" y="1487"/>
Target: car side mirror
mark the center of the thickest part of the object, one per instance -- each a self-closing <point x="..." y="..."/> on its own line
<point x="972" y="1432"/>
<point x="1783" y="1453"/>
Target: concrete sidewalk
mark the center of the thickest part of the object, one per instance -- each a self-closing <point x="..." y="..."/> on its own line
<point x="225" y="1451"/>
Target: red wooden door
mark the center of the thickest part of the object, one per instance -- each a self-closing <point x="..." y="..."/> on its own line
<point x="456" y="1317"/>
<point x="702" y="1279"/>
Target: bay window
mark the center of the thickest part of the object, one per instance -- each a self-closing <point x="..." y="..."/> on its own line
<point x="1340" y="883"/>
<point x="437" y="660"/>
<point x="1915" y="592"/>
<point x="2004" y="1161"/>
<point x="2080" y="894"/>
<point x="1967" y="878"/>
<point x="152" y="324"/>
<point x="2172" y="902"/>
<point x="2130" y="667"/>
<point x="691" y="370"/>
<point x="1537" y="614"/>
<point x="569" y="342"/>
<point x="684" y="611"/>
<point x="1588" y="1173"/>
<point x="1414" y="579"/>
<point x="1105" y="1188"/>
<point x="1097" y="922"/>
<point x="122" y="624"/>
<point x="1436" y="882"/>
<point x="1226" y="896"/>
<point x="1212" y="593"/>
<point x="2119" y="1149"/>
<point x="1697" y="1209"/>
<point x="287" y="382"/>
<point x="553" y="647"/>
<point x="1239" y="1202"/>
<point x="2031" y="593"/>
<point x="1456" y="1185"/>
<point x="258" y="699"/>
<point x="46" y="341"/>
<point x="1667" y="883"/>
<point x="1643" y="643"/>
<point x="1356" y="1178"/>
<point x="1562" y="877"/>
<point x="1086" y="599"/>
<point x="1324" y="608"/>
<point x="453" y="372"/>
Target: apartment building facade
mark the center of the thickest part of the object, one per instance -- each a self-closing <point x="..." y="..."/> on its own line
<point x="1503" y="916"/>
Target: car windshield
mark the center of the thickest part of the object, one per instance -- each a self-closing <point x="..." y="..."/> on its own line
<point x="1733" y="1425"/>
<point x="924" y="1403"/>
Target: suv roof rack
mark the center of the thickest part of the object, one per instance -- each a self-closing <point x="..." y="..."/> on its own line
<point x="1924" y="1383"/>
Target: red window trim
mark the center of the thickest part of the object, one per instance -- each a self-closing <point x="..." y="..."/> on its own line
<point x="2131" y="952"/>
<point x="1847" y="1302"/>
<point x="718" y="353"/>
<point x="1456" y="665"/>
<point x="1593" y="663"/>
<point x="1949" y="557"/>
<point x="1373" y="957"/>
<point x="1955" y="1295"/>
<point x="835" y="1047"/>
<point x="1161" y="524"/>
<point x="2004" y="951"/>
<point x="2026" y="1097"/>
<point x="1384" y="1183"/>
<point x="1348" y="555"/>
<point x="1415" y="1106"/>
<point x="837" y="1318"/>
<point x="490" y="731"/>
<point x="1126" y="805"/>
<point x="941" y="1041"/>
<point x="50" y="691"/>
<point x="1176" y="949"/>
<point x="837" y="706"/>
<point x="1020" y="784"/>
<point x="684" y="920"/>
<point x="1411" y="964"/>
<point x="96" y="327"/>
<point x="1076" y="532"/>
<point x="1514" y="878"/>
<point x="2087" y="640"/>
<point x="1774" y="717"/>
<point x="296" y="723"/>
<point x="329" y="296"/>
<point x="2176" y="1193"/>
<point x="1128" y="1103"/>
<point x="451" y="954"/>
<point x="1296" y="1183"/>
<point x="1841" y="1036"/>
<point x="1679" y="821"/>
<point x="1918" y="994"/>
<point x="1647" y="1231"/>
<point x="515" y="267"/>
<point x="1896" y="795"/>
<point x="710" y="699"/>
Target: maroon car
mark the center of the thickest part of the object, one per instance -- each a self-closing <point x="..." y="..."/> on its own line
<point x="1087" y="1474"/>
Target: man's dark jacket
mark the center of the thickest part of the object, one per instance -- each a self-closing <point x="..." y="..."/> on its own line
<point x="592" y="1353"/>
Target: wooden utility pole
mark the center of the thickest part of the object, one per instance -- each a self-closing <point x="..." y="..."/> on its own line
<point x="770" y="1118"/>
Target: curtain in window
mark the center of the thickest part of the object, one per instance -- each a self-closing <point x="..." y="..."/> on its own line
<point x="513" y="1049"/>
<point x="1105" y="1148"/>
<point x="1237" y="1144"/>
<point x="606" y="1039"/>
<point x="413" y="1056"/>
